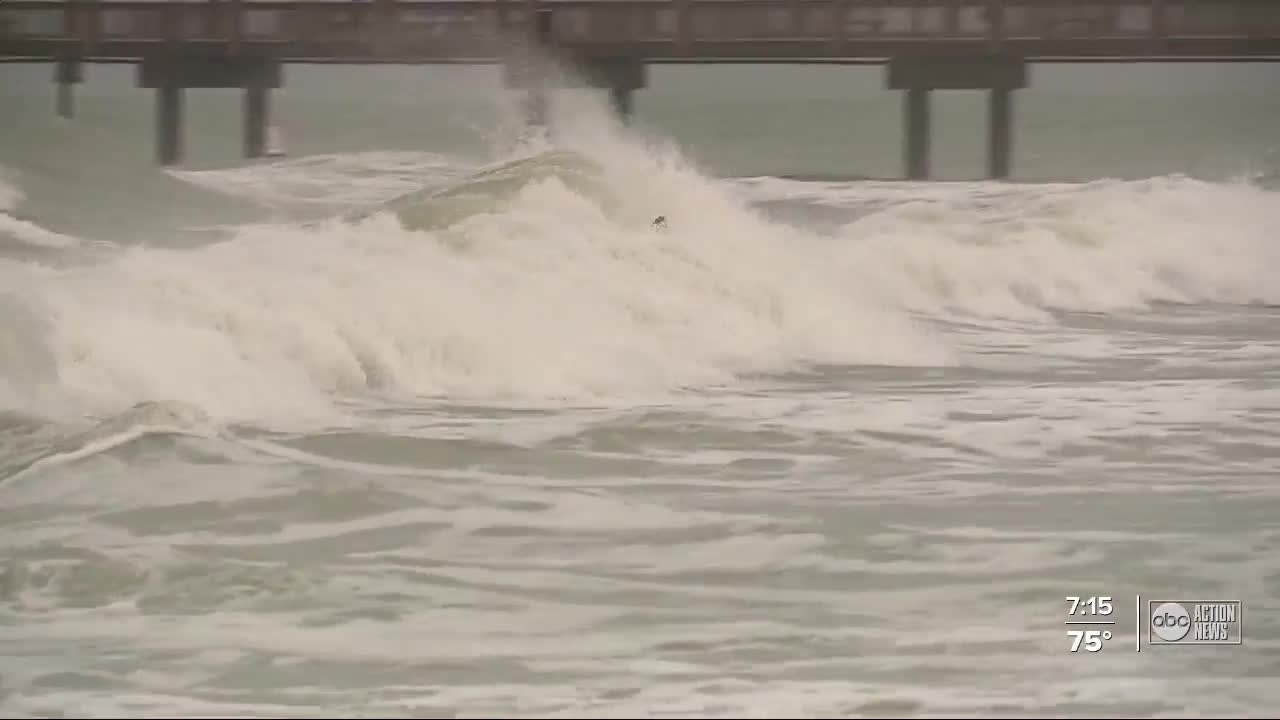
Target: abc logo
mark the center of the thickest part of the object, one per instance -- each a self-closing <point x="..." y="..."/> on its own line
<point x="1171" y="621"/>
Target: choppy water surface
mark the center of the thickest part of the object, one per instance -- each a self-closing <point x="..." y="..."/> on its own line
<point x="443" y="434"/>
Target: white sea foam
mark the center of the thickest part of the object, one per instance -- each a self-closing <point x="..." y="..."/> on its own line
<point x="25" y="231"/>
<point x="29" y="233"/>
<point x="354" y="179"/>
<point x="550" y="295"/>
<point x="10" y="194"/>
<point x="1016" y="251"/>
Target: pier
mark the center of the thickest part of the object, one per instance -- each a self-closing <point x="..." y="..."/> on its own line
<point x="924" y="45"/>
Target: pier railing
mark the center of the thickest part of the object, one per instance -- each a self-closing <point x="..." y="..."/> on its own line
<point x="653" y="30"/>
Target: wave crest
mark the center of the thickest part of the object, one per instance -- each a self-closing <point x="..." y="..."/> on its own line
<point x="541" y="280"/>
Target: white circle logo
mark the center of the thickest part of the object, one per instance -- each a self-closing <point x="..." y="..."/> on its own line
<point x="1171" y="621"/>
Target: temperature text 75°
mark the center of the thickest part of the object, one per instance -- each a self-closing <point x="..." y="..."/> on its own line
<point x="1090" y="640"/>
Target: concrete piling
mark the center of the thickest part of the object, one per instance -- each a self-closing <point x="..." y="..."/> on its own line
<point x="256" y="114"/>
<point x="169" y="99"/>
<point x="918" y="76"/>
<point x="170" y="71"/>
<point x="917" y="135"/>
<point x="1000" y="140"/>
<point x="620" y="99"/>
<point x="68" y="72"/>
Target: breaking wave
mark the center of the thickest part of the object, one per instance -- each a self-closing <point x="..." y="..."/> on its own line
<point x="541" y="279"/>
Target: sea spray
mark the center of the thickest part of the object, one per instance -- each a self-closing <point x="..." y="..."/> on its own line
<point x="1097" y="247"/>
<point x="550" y="296"/>
<point x="558" y="290"/>
<point x="996" y="250"/>
<point x="10" y="193"/>
<point x="331" y="181"/>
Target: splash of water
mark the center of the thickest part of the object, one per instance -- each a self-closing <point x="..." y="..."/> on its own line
<point x="556" y="289"/>
<point x="1023" y="251"/>
<point x="10" y="194"/>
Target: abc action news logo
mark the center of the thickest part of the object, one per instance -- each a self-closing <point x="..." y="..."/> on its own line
<point x="1195" y="622"/>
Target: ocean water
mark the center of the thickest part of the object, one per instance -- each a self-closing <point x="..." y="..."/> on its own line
<point x="426" y="419"/>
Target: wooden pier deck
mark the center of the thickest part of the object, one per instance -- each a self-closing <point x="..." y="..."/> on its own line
<point x="925" y="44"/>
<point x="688" y="31"/>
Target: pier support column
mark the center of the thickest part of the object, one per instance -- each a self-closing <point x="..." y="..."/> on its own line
<point x="68" y="72"/>
<point x="620" y="97"/>
<point x="66" y="99"/>
<point x="171" y="70"/>
<point x="537" y="103"/>
<point x="169" y="124"/>
<point x="999" y="75"/>
<point x="916" y="148"/>
<point x="1000" y="143"/>
<point x="256" y="113"/>
<point x="536" y="107"/>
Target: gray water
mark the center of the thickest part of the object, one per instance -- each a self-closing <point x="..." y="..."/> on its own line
<point x="829" y="447"/>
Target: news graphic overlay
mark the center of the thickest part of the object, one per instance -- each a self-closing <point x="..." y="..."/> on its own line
<point x="1089" y="622"/>
<point x="1195" y="622"/>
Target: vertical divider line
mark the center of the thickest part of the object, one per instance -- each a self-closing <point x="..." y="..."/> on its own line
<point x="1137" y="623"/>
